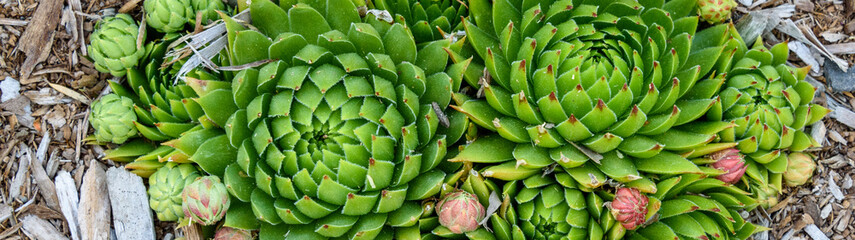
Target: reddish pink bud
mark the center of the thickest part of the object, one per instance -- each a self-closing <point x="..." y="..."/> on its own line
<point x="227" y="233"/>
<point x="730" y="161"/>
<point x="460" y="211"/>
<point x="629" y="207"/>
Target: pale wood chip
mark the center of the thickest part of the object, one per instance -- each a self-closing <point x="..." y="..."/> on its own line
<point x="841" y="48"/>
<point x="95" y="204"/>
<point x="38" y="228"/>
<point x="12" y="22"/>
<point x="70" y="93"/>
<point x="5" y="212"/>
<point x="68" y="200"/>
<point x="41" y="152"/>
<point x="835" y="190"/>
<point x="44" y="183"/>
<point x="815" y="232"/>
<point x="18" y="180"/>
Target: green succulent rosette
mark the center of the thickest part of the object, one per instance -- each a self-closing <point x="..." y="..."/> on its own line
<point x="165" y="110"/>
<point x="165" y="187"/>
<point x="168" y="16"/>
<point x="112" y="117"/>
<point x="583" y="93"/>
<point x="769" y="103"/>
<point x="113" y="45"/>
<point x="428" y="19"/>
<point x="336" y="130"/>
<point x="569" y="81"/>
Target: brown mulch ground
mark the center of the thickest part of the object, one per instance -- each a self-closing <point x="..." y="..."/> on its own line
<point x="42" y="108"/>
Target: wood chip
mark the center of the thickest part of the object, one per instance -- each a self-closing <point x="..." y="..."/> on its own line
<point x="132" y="218"/>
<point x="70" y="93"/>
<point x="834" y="189"/>
<point x="817" y="132"/>
<point x="841" y="48"/>
<point x="5" y="212"/>
<point x="128" y="6"/>
<point x="826" y="211"/>
<point x="18" y="180"/>
<point x="815" y="233"/>
<point x="193" y="232"/>
<point x="41" y="152"/>
<point x="38" y="228"/>
<point x="66" y="191"/>
<point x="94" y="215"/>
<point x="780" y="205"/>
<point x="844" y="116"/>
<point x="12" y="22"/>
<point x="835" y="136"/>
<point x="46" y="187"/>
<point x="38" y="34"/>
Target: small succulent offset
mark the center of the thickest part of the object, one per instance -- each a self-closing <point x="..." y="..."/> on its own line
<point x="460" y="211"/>
<point x="800" y="169"/>
<point x="338" y="136"/>
<point x="731" y="162"/>
<point x="113" y="119"/>
<point x="165" y="187"/>
<point x="113" y="45"/>
<point x="168" y="16"/>
<point x="715" y="11"/>
<point x="205" y="201"/>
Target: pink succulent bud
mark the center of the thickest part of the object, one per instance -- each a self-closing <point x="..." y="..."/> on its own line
<point x="206" y="200"/>
<point x="629" y="207"/>
<point x="227" y="233"/>
<point x="460" y="211"/>
<point x="730" y="161"/>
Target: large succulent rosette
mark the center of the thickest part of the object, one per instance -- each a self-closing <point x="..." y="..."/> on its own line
<point x="769" y="103"/>
<point x="584" y="93"/>
<point x="427" y="19"/>
<point x="335" y="130"/>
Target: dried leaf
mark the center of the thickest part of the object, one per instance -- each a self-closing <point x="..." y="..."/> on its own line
<point x="70" y="93"/>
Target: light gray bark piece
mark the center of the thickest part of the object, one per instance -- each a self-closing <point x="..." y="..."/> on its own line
<point x="48" y="190"/>
<point x="66" y="191"/>
<point x="5" y="212"/>
<point x="815" y="233"/>
<point x="40" y="229"/>
<point x="18" y="180"/>
<point x="94" y="215"/>
<point x="132" y="216"/>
